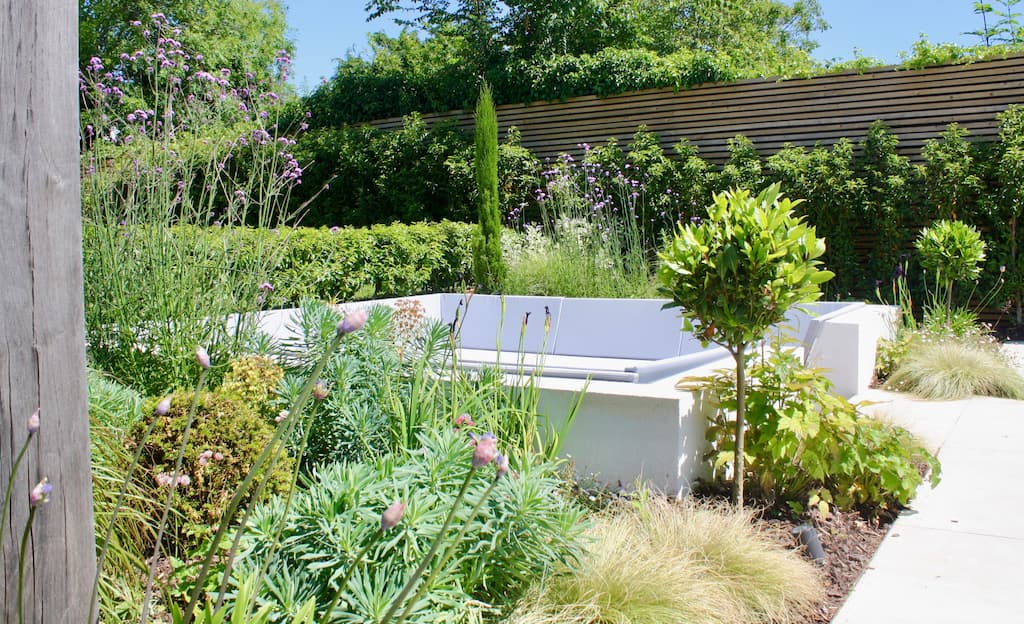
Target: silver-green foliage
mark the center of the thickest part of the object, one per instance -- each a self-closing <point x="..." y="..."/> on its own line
<point x="524" y="528"/>
<point x="950" y="368"/>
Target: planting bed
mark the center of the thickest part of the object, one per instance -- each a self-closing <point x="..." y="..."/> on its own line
<point x="627" y="354"/>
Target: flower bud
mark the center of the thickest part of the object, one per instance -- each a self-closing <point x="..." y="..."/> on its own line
<point x="353" y="321"/>
<point x="464" y="420"/>
<point x="392" y="515"/>
<point x="320" y="390"/>
<point x="501" y="463"/>
<point x="40" y="493"/>
<point x="486" y="450"/>
<point x="202" y="357"/>
<point x="163" y="407"/>
<point x="33" y="421"/>
<point x="282" y="415"/>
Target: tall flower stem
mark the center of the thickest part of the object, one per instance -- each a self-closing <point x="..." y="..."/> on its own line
<point x="449" y="551"/>
<point x="433" y="550"/>
<point x="170" y="493"/>
<point x="21" y="564"/>
<point x="10" y="485"/>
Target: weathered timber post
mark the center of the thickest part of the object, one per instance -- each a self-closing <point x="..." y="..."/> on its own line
<point x="42" y="345"/>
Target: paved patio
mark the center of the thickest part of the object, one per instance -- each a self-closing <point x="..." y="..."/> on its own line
<point x="956" y="555"/>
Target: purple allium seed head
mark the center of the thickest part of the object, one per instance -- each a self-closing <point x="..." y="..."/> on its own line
<point x="464" y="420"/>
<point x="392" y="515"/>
<point x="202" y="357"/>
<point x="320" y="390"/>
<point x="33" y="421"/>
<point x="501" y="463"/>
<point x="40" y="493"/>
<point x="353" y="321"/>
<point x="266" y="286"/>
<point x="486" y="449"/>
<point x="163" y="407"/>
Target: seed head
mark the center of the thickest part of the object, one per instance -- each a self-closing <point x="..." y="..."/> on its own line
<point x="501" y="463"/>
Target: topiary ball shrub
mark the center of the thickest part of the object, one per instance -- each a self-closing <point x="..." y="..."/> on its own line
<point x="225" y="439"/>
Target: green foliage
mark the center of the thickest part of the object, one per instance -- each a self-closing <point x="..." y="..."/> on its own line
<point x="833" y="187"/>
<point x="1009" y="205"/>
<point x="950" y="368"/>
<point x="488" y="266"/>
<point x="530" y="52"/>
<point x="225" y="425"/>
<point x="953" y="250"/>
<point x="113" y="409"/>
<point x="240" y="35"/>
<point x="525" y="527"/>
<point x="738" y="271"/>
<point x="253" y="380"/>
<point x="951" y="176"/>
<point x="664" y="563"/>
<point x="809" y="447"/>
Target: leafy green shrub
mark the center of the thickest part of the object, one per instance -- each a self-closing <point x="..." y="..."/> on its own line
<point x="736" y="273"/>
<point x="226" y="437"/>
<point x="951" y="174"/>
<point x="253" y="380"/>
<point x="667" y="563"/>
<point x="955" y="368"/>
<point x="524" y="528"/>
<point x="810" y="447"/>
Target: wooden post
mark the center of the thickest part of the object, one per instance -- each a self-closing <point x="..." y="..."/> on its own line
<point x="42" y="328"/>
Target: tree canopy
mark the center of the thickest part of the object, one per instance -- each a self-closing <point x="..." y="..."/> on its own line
<point x="240" y="35"/>
<point x="536" y="49"/>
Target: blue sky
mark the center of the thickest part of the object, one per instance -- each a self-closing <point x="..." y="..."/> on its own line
<point x="325" y="30"/>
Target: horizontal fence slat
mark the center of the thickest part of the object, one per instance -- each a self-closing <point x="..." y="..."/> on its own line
<point x="915" y="104"/>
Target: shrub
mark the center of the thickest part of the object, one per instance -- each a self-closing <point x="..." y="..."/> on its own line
<point x="253" y="380"/>
<point x="666" y="563"/>
<point x="523" y="528"/>
<point x="951" y="368"/>
<point x="809" y="447"/>
<point x="226" y="437"/>
<point x="953" y="251"/>
<point x="736" y="274"/>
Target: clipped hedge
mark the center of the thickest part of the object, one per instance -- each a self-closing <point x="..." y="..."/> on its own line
<point x="340" y="264"/>
<point x="347" y="263"/>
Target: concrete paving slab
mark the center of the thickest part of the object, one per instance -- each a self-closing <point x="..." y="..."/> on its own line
<point x="965" y="501"/>
<point x="931" y="576"/>
<point x="931" y="422"/>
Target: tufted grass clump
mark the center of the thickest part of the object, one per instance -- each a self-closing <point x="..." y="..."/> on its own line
<point x="950" y="368"/>
<point x="669" y="563"/>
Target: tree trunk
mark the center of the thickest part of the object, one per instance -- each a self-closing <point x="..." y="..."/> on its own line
<point x="741" y="424"/>
<point x="42" y="343"/>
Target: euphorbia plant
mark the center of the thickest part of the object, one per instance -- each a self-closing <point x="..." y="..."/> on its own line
<point x="736" y="273"/>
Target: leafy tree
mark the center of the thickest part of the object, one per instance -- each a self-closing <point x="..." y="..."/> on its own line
<point x="240" y="35"/>
<point x="736" y="273"/>
<point x="487" y="263"/>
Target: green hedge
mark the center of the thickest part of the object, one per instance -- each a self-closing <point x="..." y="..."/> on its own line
<point x="341" y="264"/>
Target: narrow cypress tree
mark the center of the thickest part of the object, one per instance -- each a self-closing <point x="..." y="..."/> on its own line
<point x="488" y="268"/>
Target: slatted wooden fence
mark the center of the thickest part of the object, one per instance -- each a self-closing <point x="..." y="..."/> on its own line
<point x="916" y="104"/>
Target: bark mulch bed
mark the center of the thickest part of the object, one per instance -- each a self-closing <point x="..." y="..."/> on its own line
<point x="849" y="542"/>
